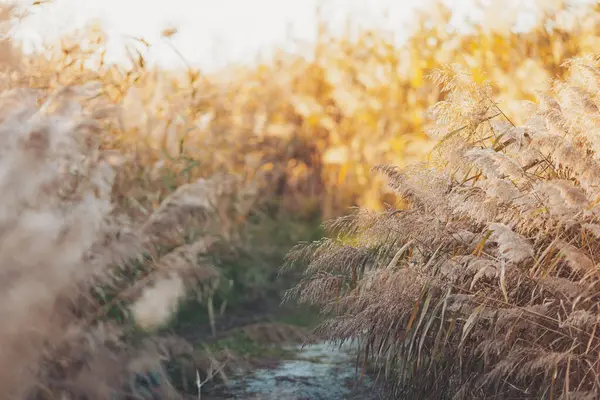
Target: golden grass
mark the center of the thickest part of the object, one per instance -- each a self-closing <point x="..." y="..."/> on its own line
<point x="117" y="181"/>
<point x="306" y="129"/>
<point x="486" y="284"/>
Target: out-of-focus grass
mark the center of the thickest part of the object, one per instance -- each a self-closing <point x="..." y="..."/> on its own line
<point x="251" y="283"/>
<point x="306" y="130"/>
<point x="243" y="346"/>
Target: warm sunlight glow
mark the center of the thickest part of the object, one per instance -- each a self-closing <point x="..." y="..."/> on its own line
<point x="210" y="33"/>
<point x="285" y="199"/>
<point x="213" y="33"/>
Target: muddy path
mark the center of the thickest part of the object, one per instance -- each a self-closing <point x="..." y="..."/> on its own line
<point x="279" y="358"/>
<point x="315" y="372"/>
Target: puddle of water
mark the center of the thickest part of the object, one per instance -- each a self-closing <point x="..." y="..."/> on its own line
<point x="320" y="372"/>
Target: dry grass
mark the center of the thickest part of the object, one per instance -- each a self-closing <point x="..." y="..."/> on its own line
<point x="486" y="284"/>
<point x="118" y="181"/>
<point x="63" y="238"/>
<point x="307" y="129"/>
<point x="71" y="253"/>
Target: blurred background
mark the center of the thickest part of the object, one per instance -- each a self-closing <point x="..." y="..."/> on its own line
<point x="327" y="88"/>
<point x="212" y="35"/>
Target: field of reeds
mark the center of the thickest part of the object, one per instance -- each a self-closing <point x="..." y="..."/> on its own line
<point x="140" y="204"/>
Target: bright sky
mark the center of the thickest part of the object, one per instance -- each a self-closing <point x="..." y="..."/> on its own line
<point x="211" y="32"/>
<point x="215" y="32"/>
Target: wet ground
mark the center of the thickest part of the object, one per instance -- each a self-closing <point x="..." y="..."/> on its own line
<point x="316" y="372"/>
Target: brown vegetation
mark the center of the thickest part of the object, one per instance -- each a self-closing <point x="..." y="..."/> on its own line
<point x="486" y="284"/>
<point x="120" y="183"/>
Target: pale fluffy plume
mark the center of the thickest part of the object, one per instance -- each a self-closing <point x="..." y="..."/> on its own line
<point x="512" y="246"/>
<point x="60" y="236"/>
<point x="158" y="302"/>
<point x="494" y="164"/>
<point x="501" y="189"/>
<point x="516" y="299"/>
<point x="54" y="204"/>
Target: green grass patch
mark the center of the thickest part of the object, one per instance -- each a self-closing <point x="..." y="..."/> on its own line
<point x="251" y="282"/>
<point x="240" y="345"/>
<point x="299" y="315"/>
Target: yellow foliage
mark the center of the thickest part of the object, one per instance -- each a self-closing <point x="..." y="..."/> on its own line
<point x="353" y="104"/>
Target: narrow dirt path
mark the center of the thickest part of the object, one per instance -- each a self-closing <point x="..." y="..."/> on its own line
<point x="316" y="372"/>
